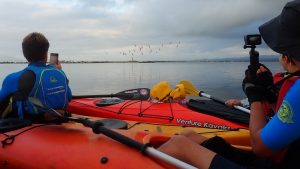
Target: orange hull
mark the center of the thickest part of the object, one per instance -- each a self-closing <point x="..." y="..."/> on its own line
<point x="71" y="146"/>
<point x="146" y="111"/>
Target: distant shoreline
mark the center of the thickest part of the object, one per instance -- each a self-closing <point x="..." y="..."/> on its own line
<point x="179" y="61"/>
<point x="262" y="58"/>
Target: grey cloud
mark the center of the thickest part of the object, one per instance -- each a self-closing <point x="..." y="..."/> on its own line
<point x="190" y="18"/>
<point x="89" y="29"/>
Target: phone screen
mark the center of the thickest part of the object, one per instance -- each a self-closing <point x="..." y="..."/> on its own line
<point x="54" y="58"/>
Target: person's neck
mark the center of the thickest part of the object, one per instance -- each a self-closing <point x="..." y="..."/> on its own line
<point x="38" y="63"/>
<point x="296" y="66"/>
<point x="293" y="69"/>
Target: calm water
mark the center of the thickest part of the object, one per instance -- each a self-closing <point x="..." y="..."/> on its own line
<point x="220" y="79"/>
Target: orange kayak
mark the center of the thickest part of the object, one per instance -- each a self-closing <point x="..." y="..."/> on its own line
<point x="147" y="111"/>
<point x="71" y="145"/>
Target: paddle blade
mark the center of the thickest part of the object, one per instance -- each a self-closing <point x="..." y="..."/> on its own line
<point x="189" y="88"/>
<point x="134" y="94"/>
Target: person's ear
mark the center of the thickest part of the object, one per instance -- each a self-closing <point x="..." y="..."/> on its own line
<point x="286" y="58"/>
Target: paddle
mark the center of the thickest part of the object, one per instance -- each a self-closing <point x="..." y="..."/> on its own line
<point x="131" y="94"/>
<point x="99" y="128"/>
<point x="191" y="90"/>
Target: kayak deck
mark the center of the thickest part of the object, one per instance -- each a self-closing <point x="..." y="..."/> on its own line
<point x="71" y="145"/>
<point x="146" y="111"/>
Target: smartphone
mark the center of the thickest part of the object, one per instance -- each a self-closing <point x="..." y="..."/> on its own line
<point x="54" y="58"/>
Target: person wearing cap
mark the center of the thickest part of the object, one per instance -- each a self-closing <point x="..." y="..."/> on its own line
<point x="275" y="143"/>
<point x="38" y="80"/>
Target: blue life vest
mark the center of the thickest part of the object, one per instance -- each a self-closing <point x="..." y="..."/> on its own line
<point x="51" y="87"/>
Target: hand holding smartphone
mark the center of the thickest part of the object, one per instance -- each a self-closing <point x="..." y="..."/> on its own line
<point x="54" y="60"/>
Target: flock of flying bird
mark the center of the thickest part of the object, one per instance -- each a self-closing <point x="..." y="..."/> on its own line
<point x="139" y="50"/>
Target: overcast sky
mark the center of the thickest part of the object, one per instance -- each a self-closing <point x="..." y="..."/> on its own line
<point x="135" y="29"/>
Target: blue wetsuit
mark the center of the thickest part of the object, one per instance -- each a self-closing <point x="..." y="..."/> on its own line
<point x="11" y="86"/>
<point x="283" y="129"/>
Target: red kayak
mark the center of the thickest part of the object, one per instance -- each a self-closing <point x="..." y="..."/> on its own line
<point x="147" y="111"/>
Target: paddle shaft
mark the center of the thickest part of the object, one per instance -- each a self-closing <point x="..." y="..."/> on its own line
<point x="142" y="147"/>
<point x="223" y="102"/>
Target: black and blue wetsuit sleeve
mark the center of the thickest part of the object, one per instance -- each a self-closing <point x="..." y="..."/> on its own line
<point x="25" y="85"/>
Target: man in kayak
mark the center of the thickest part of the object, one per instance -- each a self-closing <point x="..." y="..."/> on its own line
<point x="275" y="143"/>
<point x="39" y="80"/>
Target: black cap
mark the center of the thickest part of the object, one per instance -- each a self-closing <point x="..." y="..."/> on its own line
<point x="282" y="33"/>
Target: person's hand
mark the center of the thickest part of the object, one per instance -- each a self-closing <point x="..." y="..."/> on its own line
<point x="58" y="66"/>
<point x="265" y="79"/>
<point x="253" y="93"/>
<point x="232" y="102"/>
<point x="255" y="86"/>
<point x="262" y="77"/>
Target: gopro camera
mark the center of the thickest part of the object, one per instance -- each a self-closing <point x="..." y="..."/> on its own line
<point x="252" y="40"/>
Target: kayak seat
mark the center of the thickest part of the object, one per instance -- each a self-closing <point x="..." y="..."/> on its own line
<point x="10" y="124"/>
<point x="219" y="110"/>
<point x="108" y="101"/>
